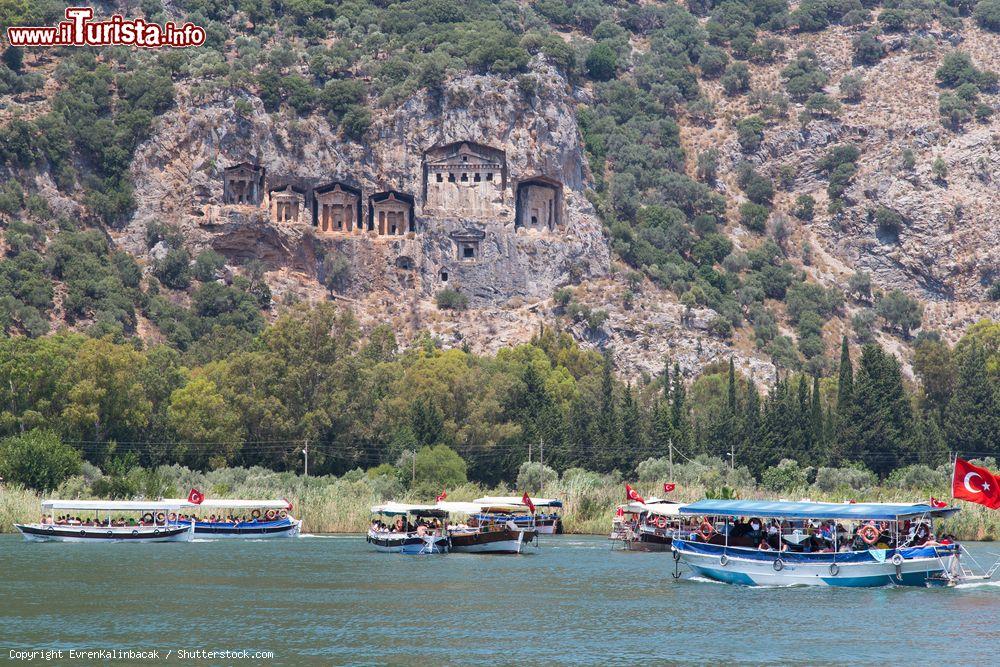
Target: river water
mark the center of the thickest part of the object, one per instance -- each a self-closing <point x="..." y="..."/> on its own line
<point x="329" y="600"/>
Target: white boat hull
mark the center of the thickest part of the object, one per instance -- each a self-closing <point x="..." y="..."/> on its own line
<point x="778" y="569"/>
<point x="99" y="534"/>
<point x="404" y="543"/>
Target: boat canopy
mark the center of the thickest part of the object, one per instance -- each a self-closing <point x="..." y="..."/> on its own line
<point x="495" y="501"/>
<point x="660" y="507"/>
<point x="115" y="505"/>
<point x="234" y="503"/>
<point x="403" y="509"/>
<point x="459" y="507"/>
<point x="783" y="509"/>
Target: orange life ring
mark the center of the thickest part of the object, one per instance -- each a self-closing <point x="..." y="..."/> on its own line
<point x="160" y="516"/>
<point x="869" y="533"/>
<point x="172" y="516"/>
<point x="270" y="515"/>
<point x="706" y="529"/>
<point x="661" y="522"/>
<point x="283" y="514"/>
<point x="651" y="519"/>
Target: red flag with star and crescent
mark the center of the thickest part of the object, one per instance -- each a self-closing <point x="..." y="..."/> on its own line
<point x="195" y="497"/>
<point x="975" y="484"/>
<point x="668" y="487"/>
<point x="938" y="504"/>
<point x="527" y="501"/>
<point x="632" y="494"/>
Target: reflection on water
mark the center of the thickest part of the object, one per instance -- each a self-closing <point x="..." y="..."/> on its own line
<point x="329" y="600"/>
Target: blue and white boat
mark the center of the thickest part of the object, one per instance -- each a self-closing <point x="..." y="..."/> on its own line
<point x="820" y="544"/>
<point x="546" y="521"/>
<point x="409" y="529"/>
<point x="228" y="518"/>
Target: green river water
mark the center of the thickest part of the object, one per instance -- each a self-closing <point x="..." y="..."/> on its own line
<point x="330" y="600"/>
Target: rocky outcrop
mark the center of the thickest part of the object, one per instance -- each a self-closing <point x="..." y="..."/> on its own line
<point x="178" y="177"/>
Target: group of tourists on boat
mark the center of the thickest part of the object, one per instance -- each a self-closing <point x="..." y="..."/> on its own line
<point x="168" y="520"/>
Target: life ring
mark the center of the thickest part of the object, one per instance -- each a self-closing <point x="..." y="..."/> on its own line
<point x="83" y="533"/>
<point x="723" y="560"/>
<point x="255" y="514"/>
<point x="135" y="532"/>
<point x="706" y="530"/>
<point x="161" y="516"/>
<point x="651" y="519"/>
<point x="897" y="559"/>
<point x="172" y="516"/>
<point x="110" y="533"/>
<point x="156" y="531"/>
<point x="661" y="522"/>
<point x="834" y="569"/>
<point x="869" y="533"/>
<point x="283" y="514"/>
<point x="270" y="515"/>
<point x="779" y="565"/>
<point x="147" y="517"/>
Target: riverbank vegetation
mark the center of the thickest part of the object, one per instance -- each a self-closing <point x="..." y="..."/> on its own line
<point x="330" y="503"/>
<point x="108" y="417"/>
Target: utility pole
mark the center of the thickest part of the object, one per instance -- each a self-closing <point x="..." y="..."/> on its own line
<point x="413" y="471"/>
<point x="529" y="451"/>
<point x="305" y="453"/>
<point x="541" y="451"/>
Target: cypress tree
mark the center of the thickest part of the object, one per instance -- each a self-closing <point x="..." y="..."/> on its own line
<point x="609" y="431"/>
<point x="845" y="401"/>
<point x="972" y="422"/>
<point x="880" y="431"/>
<point x="677" y="402"/>
<point x="816" y="424"/>
<point x="732" y="388"/>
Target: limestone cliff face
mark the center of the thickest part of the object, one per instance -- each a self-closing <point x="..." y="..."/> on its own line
<point x="178" y="178"/>
<point x="945" y="253"/>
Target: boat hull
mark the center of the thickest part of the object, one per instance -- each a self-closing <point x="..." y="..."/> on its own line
<point x="248" y="531"/>
<point x="96" y="534"/>
<point x="407" y="543"/>
<point x="923" y="566"/>
<point x="505" y="541"/>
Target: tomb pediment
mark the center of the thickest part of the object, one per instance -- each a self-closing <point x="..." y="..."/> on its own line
<point x="465" y="153"/>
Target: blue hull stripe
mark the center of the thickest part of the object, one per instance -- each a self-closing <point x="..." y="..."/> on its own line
<point x="725" y="576"/>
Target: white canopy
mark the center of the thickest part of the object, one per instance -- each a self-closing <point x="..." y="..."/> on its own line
<point x="493" y="501"/>
<point x="404" y="508"/>
<point x="460" y="508"/>
<point x="659" y="507"/>
<point x="115" y="505"/>
<point x="234" y="503"/>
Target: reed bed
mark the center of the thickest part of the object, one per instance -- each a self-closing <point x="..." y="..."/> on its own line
<point x="341" y="505"/>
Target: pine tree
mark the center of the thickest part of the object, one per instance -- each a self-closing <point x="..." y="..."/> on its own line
<point x="972" y="422"/>
<point x="880" y="432"/>
<point x="733" y="408"/>
<point x="634" y="448"/>
<point x="845" y="402"/>
<point x="816" y="425"/>
<point x="802" y="449"/>
<point x="678" y="409"/>
<point x="609" y="430"/>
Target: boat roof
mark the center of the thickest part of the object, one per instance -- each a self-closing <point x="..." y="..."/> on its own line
<point x="402" y="509"/>
<point x="659" y="507"/>
<point x="115" y="505"/>
<point x="234" y="503"/>
<point x="460" y="507"/>
<point x="783" y="509"/>
<point x="516" y="501"/>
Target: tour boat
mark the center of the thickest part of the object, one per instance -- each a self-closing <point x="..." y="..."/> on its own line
<point x="153" y="525"/>
<point x="647" y="526"/>
<point x="485" y="533"/>
<point x="513" y="508"/>
<point x="808" y="543"/>
<point x="406" y="537"/>
<point x="268" y="519"/>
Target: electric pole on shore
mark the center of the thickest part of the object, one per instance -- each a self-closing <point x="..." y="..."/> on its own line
<point x="305" y="453"/>
<point x="670" y="460"/>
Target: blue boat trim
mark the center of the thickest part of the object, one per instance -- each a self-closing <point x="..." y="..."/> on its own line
<point x="817" y="557"/>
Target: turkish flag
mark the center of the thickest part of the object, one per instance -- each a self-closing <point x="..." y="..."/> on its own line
<point x="632" y="494"/>
<point x="195" y="497"/>
<point x="619" y="512"/>
<point x="975" y="484"/>
<point x="938" y="504"/>
<point x="444" y="494"/>
<point x="668" y="487"/>
<point x="527" y="501"/>
<point x="289" y="508"/>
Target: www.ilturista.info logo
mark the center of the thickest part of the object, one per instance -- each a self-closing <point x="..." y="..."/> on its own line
<point x="79" y="30"/>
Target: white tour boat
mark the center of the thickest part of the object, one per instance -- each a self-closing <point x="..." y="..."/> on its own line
<point x="406" y="530"/>
<point x="484" y="532"/>
<point x="107" y="523"/>
<point x="781" y="543"/>
<point x="259" y="519"/>
<point x="513" y="508"/>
